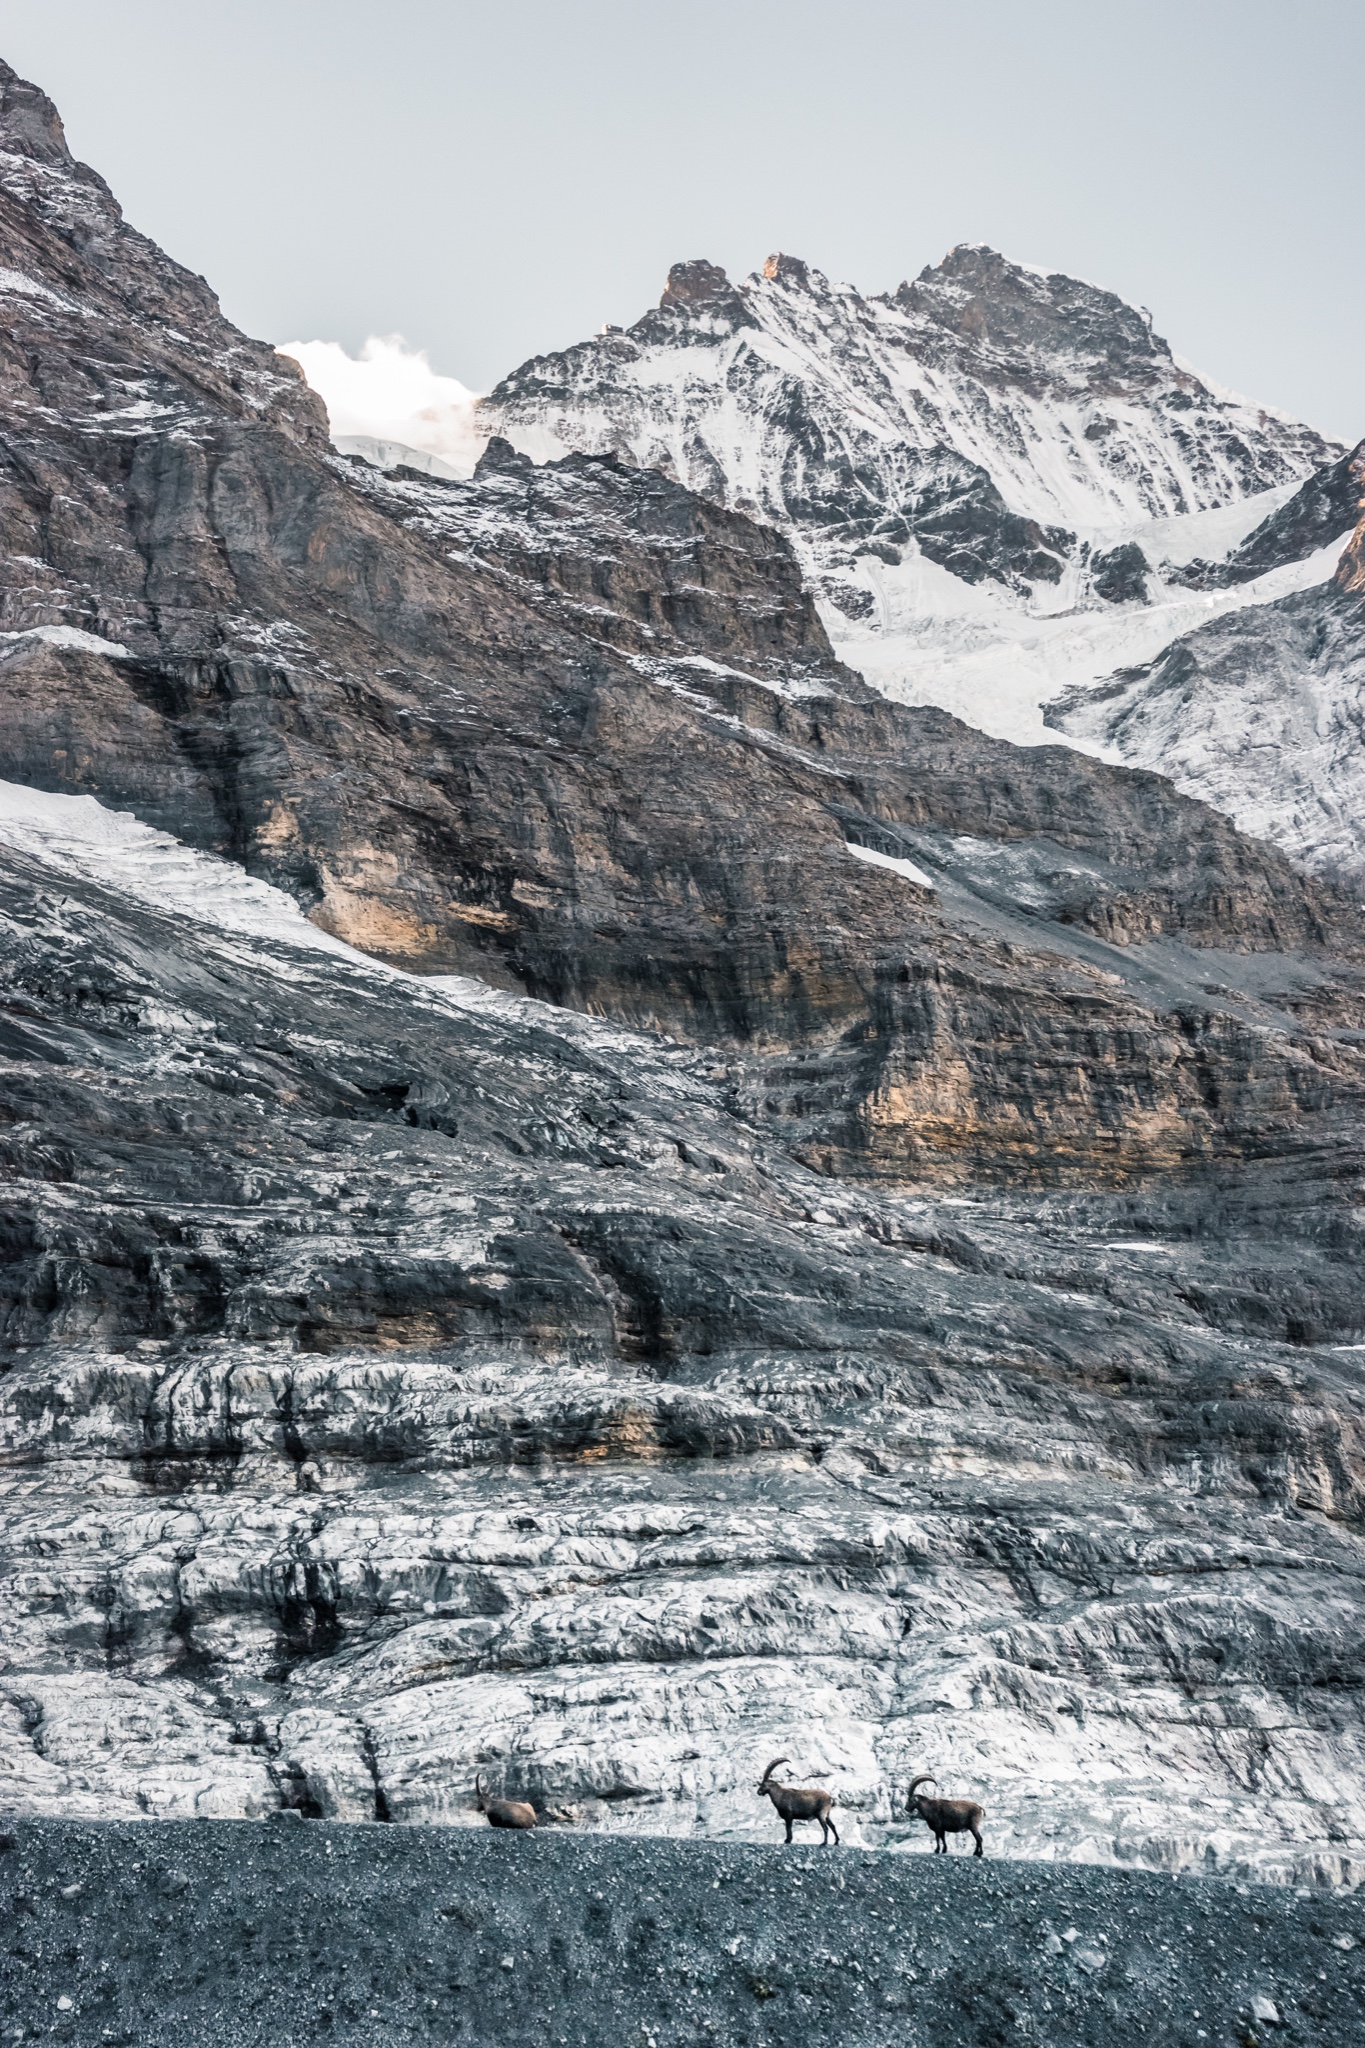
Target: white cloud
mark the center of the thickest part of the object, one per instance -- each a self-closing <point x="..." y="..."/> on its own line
<point x="390" y="393"/>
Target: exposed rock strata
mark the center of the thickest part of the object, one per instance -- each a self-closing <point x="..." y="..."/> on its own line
<point x="406" y="1380"/>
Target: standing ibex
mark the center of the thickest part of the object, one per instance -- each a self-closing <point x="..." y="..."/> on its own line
<point x="946" y="1816"/>
<point x="503" y="1813"/>
<point x="795" y="1802"/>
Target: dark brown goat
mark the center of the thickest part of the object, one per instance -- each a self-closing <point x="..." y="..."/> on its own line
<point x="503" y="1813"/>
<point x="946" y="1816"/>
<point x="796" y="1802"/>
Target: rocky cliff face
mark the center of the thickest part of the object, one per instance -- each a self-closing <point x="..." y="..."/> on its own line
<point x="1350" y="576"/>
<point x="404" y="1381"/>
<point x="407" y="1373"/>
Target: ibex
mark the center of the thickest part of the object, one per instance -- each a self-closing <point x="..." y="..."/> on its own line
<point x="503" y="1813"/>
<point x="795" y="1802"/>
<point x="946" y="1816"/>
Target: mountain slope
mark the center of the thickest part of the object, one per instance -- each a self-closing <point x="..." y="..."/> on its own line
<point x="1263" y="712"/>
<point x="403" y="1376"/>
<point x="1317" y="516"/>
<point x="579" y="730"/>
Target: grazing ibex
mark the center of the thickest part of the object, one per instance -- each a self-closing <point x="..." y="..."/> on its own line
<point x="503" y="1813"/>
<point x="795" y="1802"/>
<point x="946" y="1816"/>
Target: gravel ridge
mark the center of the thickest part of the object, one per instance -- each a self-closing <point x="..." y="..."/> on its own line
<point x="231" y="1933"/>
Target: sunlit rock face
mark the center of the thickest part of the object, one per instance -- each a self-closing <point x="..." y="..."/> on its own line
<point x="938" y="1354"/>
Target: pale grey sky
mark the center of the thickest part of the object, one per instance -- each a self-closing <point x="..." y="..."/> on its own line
<point x="495" y="180"/>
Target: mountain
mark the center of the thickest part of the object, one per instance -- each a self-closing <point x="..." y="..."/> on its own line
<point x="988" y="410"/>
<point x="590" y="1199"/>
<point x="578" y="730"/>
<point x="1005" y="491"/>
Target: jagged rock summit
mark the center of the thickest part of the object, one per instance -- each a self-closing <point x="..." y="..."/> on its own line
<point x="1024" y="324"/>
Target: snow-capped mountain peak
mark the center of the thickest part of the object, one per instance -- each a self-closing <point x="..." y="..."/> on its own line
<point x="828" y="410"/>
<point x="994" y="476"/>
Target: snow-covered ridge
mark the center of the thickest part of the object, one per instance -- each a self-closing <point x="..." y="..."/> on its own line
<point x="811" y="402"/>
<point x="906" y="869"/>
<point x="1261" y="711"/>
<point x="382" y="454"/>
<point x="988" y="474"/>
<point x="973" y="650"/>
<point x="72" y="637"/>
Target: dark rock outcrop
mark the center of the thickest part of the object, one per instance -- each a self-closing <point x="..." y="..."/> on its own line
<point x="1031" y="327"/>
<point x="1120" y="577"/>
<point x="700" y="283"/>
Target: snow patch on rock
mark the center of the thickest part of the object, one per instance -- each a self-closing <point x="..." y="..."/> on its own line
<point x="63" y="636"/>
<point x="905" y="868"/>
